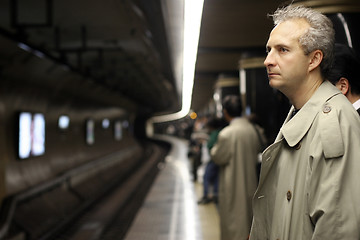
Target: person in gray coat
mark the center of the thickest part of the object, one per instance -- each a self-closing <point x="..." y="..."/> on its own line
<point x="309" y="181"/>
<point x="236" y="154"/>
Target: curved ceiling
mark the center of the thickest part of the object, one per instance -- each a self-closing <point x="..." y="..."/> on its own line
<point x="121" y="46"/>
<point x="132" y="48"/>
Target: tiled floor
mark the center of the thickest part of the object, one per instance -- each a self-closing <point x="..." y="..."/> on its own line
<point x="170" y="211"/>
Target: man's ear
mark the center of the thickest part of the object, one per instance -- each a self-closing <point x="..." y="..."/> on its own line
<point x="315" y="59"/>
<point x="226" y="115"/>
<point x="343" y="85"/>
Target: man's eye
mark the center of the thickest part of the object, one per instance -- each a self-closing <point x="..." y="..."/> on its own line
<point x="283" y="49"/>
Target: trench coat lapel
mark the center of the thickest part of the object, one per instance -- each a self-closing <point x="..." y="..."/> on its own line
<point x="295" y="128"/>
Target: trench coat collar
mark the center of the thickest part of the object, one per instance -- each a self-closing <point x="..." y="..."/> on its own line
<point x="234" y="120"/>
<point x="295" y="128"/>
<point x="237" y="121"/>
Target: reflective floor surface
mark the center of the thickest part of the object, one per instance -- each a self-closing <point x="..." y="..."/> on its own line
<point x="170" y="211"/>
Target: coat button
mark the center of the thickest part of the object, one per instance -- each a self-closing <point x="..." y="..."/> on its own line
<point x="288" y="195"/>
<point x="298" y="146"/>
<point x="326" y="109"/>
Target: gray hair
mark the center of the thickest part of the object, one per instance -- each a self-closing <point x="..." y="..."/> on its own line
<point x="320" y="35"/>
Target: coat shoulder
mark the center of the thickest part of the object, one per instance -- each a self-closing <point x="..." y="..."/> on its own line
<point x="330" y="130"/>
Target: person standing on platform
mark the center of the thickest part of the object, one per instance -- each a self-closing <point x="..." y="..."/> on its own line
<point x="211" y="176"/>
<point x="236" y="154"/>
<point x="309" y="180"/>
<point x="345" y="74"/>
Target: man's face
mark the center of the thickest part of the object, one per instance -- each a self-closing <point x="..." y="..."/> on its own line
<point x="286" y="63"/>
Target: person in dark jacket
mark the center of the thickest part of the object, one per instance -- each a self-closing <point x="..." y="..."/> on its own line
<point x="211" y="176"/>
<point x="345" y="74"/>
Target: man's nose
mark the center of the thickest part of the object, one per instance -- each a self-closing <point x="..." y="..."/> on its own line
<point x="269" y="60"/>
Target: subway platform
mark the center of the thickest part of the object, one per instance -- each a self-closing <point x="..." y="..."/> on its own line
<point x="170" y="210"/>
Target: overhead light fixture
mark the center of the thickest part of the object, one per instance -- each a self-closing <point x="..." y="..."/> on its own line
<point x="192" y="22"/>
<point x="346" y="29"/>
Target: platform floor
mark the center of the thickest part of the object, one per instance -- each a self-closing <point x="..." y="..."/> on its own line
<point x="170" y="211"/>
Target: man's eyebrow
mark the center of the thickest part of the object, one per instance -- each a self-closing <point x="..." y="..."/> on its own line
<point x="280" y="45"/>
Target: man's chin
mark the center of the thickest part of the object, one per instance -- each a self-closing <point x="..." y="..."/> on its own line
<point x="273" y="83"/>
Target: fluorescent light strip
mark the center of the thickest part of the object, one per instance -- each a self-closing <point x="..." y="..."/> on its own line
<point x="192" y="22"/>
<point x="346" y="29"/>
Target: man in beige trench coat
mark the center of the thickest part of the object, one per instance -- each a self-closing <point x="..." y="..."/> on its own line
<point x="236" y="153"/>
<point x="309" y="183"/>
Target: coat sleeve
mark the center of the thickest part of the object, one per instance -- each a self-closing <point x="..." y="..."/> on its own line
<point x="221" y="153"/>
<point x="334" y="192"/>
